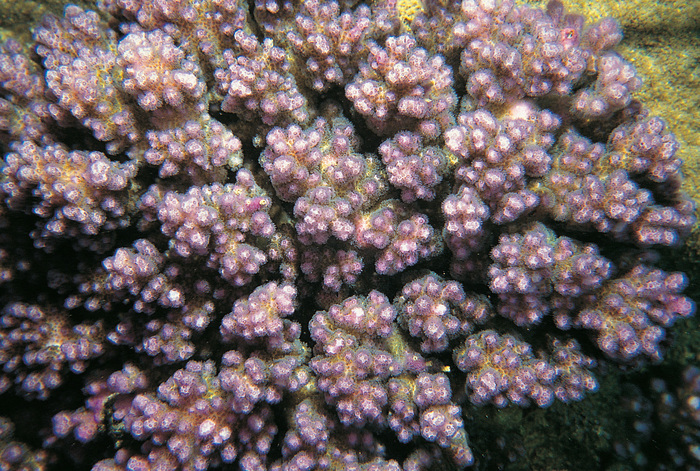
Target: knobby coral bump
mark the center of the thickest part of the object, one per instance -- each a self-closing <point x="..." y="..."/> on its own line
<point x="287" y="237"/>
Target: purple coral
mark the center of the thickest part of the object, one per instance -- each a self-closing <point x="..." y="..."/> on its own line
<point x="206" y="209"/>
<point x="646" y="147"/>
<point x="401" y="238"/>
<point x="334" y="268"/>
<point x="631" y="312"/>
<point x="37" y="345"/>
<point x="615" y="83"/>
<point x="320" y="170"/>
<point x="188" y="420"/>
<point x="364" y="371"/>
<point x="351" y="370"/>
<point x="413" y="168"/>
<point x="437" y="311"/>
<point x="15" y="454"/>
<point x="400" y="86"/>
<point x="330" y="41"/>
<point x="511" y="52"/>
<point x="437" y="423"/>
<point x="79" y="55"/>
<point x="503" y="369"/>
<point x="215" y="220"/>
<point x="607" y="190"/>
<point x="501" y="155"/>
<point x="157" y="72"/>
<point x="80" y="192"/>
<point x="465" y="215"/>
<point x="258" y="83"/>
<point x="260" y="315"/>
<point x="24" y="109"/>
<point x="536" y="272"/>
<point x="193" y="148"/>
<point x="85" y="422"/>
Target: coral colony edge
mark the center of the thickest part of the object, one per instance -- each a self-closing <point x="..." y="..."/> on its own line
<point x="321" y="236"/>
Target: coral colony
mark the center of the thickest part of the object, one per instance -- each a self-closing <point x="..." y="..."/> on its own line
<point x="290" y="237"/>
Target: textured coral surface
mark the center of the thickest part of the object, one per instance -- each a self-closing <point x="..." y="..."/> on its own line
<point x="275" y="236"/>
